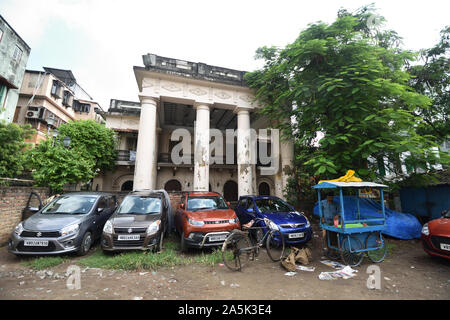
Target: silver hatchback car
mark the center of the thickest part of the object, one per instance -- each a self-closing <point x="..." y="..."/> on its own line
<point x="70" y="223"/>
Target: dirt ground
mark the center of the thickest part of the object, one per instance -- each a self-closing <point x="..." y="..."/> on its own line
<point x="407" y="273"/>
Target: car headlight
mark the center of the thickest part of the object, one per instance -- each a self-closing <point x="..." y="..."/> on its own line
<point x="233" y="221"/>
<point x="18" y="229"/>
<point x="271" y="224"/>
<point x="195" y="223"/>
<point x="425" y="229"/>
<point x="307" y="221"/>
<point x="108" y="228"/>
<point x="154" y="227"/>
<point x="72" y="229"/>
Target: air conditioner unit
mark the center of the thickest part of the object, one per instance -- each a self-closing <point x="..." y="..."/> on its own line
<point x="33" y="114"/>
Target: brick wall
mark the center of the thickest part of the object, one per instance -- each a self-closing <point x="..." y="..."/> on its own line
<point x="12" y="202"/>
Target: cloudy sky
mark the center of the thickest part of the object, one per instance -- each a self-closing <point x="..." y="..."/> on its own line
<point x="101" y="40"/>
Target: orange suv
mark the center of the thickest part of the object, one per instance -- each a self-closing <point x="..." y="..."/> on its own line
<point x="204" y="219"/>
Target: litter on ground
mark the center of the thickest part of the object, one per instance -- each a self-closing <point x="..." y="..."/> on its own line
<point x="345" y="273"/>
<point x="290" y="274"/>
<point x="303" y="268"/>
<point x="333" y="264"/>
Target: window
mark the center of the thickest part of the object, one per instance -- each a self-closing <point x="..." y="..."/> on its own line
<point x="56" y="89"/>
<point x="17" y="55"/>
<point x="81" y="107"/>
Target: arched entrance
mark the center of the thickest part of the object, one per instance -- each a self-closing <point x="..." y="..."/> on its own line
<point x="172" y="185"/>
<point x="127" y="186"/>
<point x="230" y="191"/>
<point x="264" y="189"/>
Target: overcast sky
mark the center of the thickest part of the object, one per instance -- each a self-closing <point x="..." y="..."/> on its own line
<point x="101" y="40"/>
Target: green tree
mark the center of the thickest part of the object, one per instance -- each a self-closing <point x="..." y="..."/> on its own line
<point x="97" y="141"/>
<point x="432" y="78"/>
<point x="12" y="145"/>
<point x="348" y="82"/>
<point x="55" y="165"/>
<point x="92" y="150"/>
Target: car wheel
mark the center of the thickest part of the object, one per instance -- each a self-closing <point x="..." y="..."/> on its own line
<point x="85" y="244"/>
<point x="183" y="244"/>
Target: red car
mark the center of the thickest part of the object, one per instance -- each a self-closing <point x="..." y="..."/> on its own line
<point x="436" y="236"/>
<point x="204" y="219"/>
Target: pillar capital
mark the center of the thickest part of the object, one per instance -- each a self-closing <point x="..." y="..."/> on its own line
<point x="148" y="100"/>
<point x="242" y="110"/>
<point x="202" y="106"/>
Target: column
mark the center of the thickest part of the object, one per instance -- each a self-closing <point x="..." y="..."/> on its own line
<point x="244" y="153"/>
<point x="145" y="166"/>
<point x="287" y="162"/>
<point x="201" y="147"/>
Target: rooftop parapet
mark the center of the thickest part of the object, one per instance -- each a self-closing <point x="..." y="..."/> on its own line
<point x="195" y="70"/>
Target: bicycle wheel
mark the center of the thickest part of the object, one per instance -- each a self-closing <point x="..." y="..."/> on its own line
<point x="352" y="259"/>
<point x="232" y="254"/>
<point x="375" y="240"/>
<point x="275" y="245"/>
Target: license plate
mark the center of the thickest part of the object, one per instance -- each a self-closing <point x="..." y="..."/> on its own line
<point x="129" y="237"/>
<point x="296" y="235"/>
<point x="445" y="246"/>
<point x="36" y="243"/>
<point x="217" y="238"/>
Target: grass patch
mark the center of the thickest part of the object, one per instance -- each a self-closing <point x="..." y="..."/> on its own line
<point x="138" y="260"/>
<point x="44" y="262"/>
<point x="210" y="259"/>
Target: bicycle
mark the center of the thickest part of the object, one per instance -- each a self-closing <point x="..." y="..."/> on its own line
<point x="239" y="247"/>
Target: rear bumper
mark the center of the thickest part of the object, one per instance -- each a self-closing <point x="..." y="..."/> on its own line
<point x="201" y="240"/>
<point x="430" y="248"/>
<point x="295" y="241"/>
<point x="110" y="242"/>
<point x="60" y="245"/>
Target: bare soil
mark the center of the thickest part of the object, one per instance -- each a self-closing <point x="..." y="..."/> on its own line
<point x="407" y="273"/>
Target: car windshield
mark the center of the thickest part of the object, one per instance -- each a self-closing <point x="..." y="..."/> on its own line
<point x="206" y="203"/>
<point x="70" y="204"/>
<point x="268" y="205"/>
<point x="140" y="205"/>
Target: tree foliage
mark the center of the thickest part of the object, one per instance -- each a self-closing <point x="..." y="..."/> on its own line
<point x="432" y="78"/>
<point x="347" y="81"/>
<point x="12" y="145"/>
<point x="93" y="139"/>
<point x="92" y="149"/>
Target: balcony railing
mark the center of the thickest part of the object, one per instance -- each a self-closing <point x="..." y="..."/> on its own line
<point x="126" y="155"/>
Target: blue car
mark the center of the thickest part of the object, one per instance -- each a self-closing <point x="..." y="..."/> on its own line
<point x="294" y="226"/>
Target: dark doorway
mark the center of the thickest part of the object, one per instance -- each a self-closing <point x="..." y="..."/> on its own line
<point x="127" y="186"/>
<point x="172" y="185"/>
<point x="230" y="191"/>
<point x="264" y="189"/>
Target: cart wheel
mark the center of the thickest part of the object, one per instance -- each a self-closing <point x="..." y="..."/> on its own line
<point x="331" y="254"/>
<point x="375" y="240"/>
<point x="352" y="259"/>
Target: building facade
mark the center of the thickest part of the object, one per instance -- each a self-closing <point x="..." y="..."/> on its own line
<point x="184" y="103"/>
<point x="50" y="98"/>
<point x="14" y="53"/>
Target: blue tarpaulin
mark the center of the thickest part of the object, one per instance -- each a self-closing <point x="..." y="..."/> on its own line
<point x="398" y="225"/>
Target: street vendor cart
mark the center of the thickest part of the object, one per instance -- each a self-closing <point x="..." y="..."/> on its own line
<point x="357" y="232"/>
